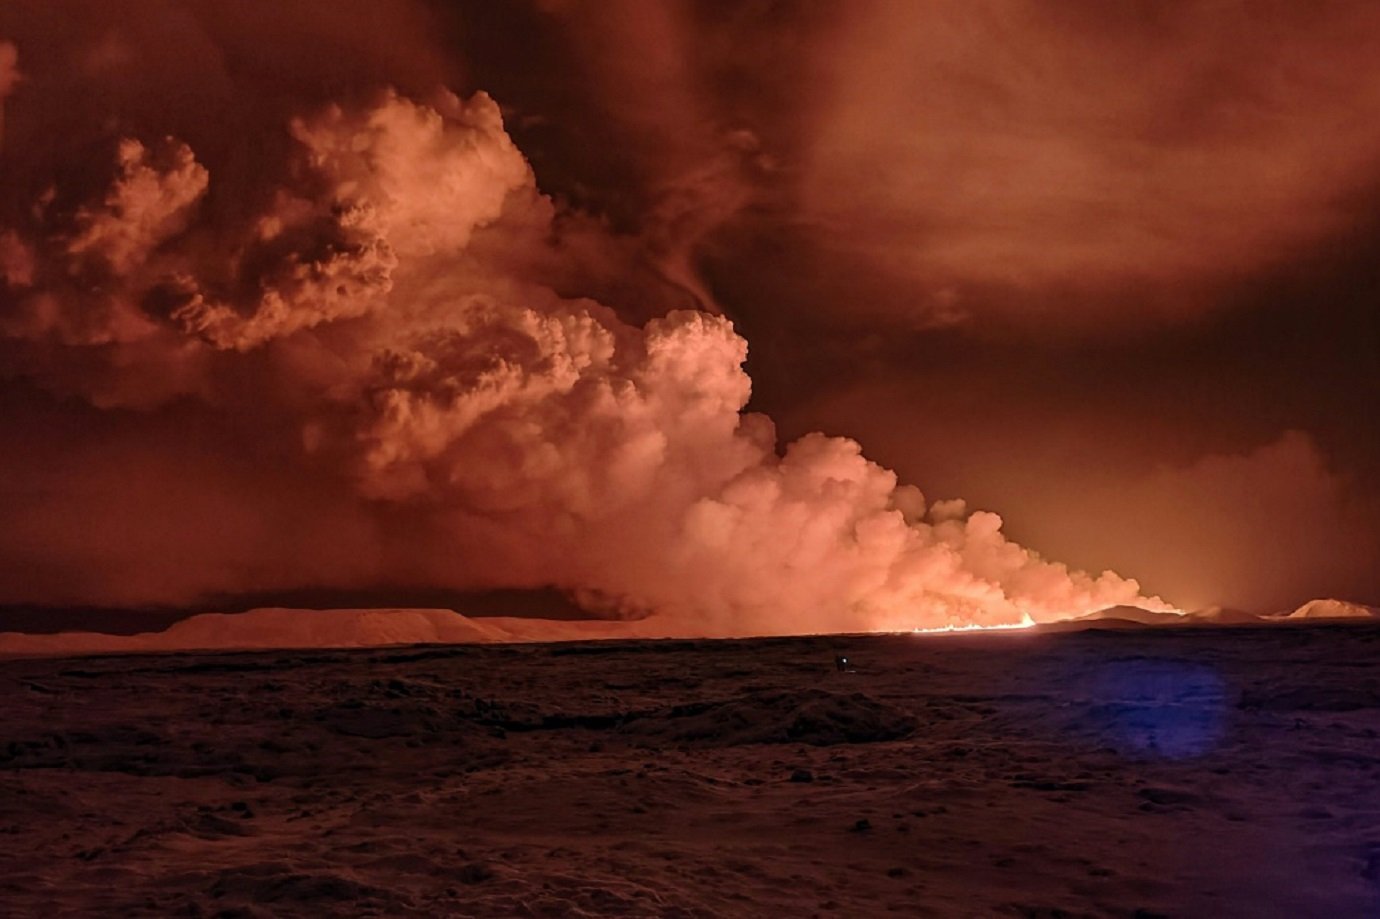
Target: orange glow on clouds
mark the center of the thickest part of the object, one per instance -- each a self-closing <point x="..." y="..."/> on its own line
<point x="540" y="434"/>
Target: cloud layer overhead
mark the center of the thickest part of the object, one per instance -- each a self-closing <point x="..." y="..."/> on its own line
<point x="350" y="295"/>
<point x="379" y="313"/>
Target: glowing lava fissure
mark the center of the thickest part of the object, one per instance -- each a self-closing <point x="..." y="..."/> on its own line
<point x="1025" y="623"/>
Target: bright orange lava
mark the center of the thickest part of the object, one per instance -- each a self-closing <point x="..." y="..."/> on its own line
<point x="1025" y="623"/>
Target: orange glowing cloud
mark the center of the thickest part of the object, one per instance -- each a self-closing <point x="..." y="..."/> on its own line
<point x="981" y="146"/>
<point x="360" y="324"/>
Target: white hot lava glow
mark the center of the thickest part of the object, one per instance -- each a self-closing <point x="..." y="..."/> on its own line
<point x="1025" y="623"/>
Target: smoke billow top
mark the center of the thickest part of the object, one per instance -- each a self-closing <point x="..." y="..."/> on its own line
<point x="396" y="310"/>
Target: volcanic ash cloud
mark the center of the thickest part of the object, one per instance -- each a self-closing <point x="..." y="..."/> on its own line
<point x="394" y="302"/>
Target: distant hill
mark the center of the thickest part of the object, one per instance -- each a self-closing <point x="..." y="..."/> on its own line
<point x="1133" y="617"/>
<point x="1224" y="615"/>
<point x="270" y="628"/>
<point x="1133" y="614"/>
<point x="537" y="603"/>
<point x="1334" y="609"/>
<point x="278" y="627"/>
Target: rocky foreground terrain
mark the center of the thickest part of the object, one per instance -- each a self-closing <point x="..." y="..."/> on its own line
<point x="1167" y="772"/>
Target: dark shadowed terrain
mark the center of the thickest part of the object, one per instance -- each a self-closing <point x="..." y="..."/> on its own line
<point x="1208" y="772"/>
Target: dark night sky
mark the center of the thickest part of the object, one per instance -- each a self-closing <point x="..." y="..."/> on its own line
<point x="1109" y="271"/>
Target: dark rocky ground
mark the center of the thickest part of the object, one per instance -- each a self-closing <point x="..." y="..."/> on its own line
<point x="1202" y="772"/>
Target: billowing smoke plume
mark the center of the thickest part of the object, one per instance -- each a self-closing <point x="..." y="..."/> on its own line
<point x="394" y="308"/>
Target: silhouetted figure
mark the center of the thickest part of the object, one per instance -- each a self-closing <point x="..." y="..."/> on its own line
<point x="841" y="663"/>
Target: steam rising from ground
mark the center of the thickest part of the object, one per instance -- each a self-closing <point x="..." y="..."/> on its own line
<point x="398" y="299"/>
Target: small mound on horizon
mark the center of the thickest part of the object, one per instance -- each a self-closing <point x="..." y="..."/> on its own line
<point x="810" y="716"/>
<point x="1334" y="609"/>
<point x="1131" y="617"/>
<point x="1126" y="616"/>
<point x="1224" y="615"/>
